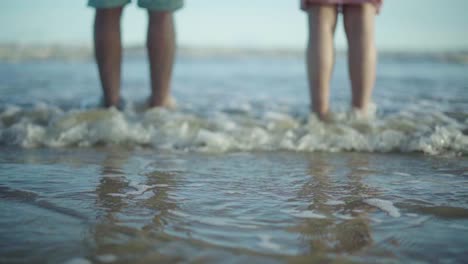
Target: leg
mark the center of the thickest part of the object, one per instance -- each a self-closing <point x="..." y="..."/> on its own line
<point x="108" y="52"/>
<point x="161" y="49"/>
<point x="320" y="55"/>
<point x="362" y="55"/>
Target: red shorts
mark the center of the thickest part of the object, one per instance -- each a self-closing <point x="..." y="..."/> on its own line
<point x="306" y="3"/>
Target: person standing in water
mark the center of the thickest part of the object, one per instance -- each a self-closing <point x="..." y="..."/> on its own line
<point x="160" y="44"/>
<point x="359" y="20"/>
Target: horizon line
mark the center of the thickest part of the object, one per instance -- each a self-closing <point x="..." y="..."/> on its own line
<point x="220" y="48"/>
<point x="22" y="52"/>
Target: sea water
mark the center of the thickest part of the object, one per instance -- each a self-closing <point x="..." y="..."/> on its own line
<point x="236" y="103"/>
<point x="239" y="171"/>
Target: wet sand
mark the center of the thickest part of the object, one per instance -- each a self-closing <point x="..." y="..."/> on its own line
<point x="139" y="205"/>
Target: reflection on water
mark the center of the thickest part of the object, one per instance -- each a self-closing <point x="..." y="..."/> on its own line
<point x="142" y="206"/>
<point x="135" y="209"/>
<point x="341" y="223"/>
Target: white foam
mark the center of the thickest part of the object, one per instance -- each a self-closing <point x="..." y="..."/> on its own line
<point x="137" y="190"/>
<point x="179" y="213"/>
<point x="401" y="173"/>
<point x="457" y="226"/>
<point x="267" y="243"/>
<point x="384" y="205"/>
<point x="334" y="202"/>
<point x="46" y="125"/>
<point x="108" y="258"/>
<point x="419" y="221"/>
<point x="304" y="213"/>
<point x="117" y="194"/>
<point x="412" y="215"/>
<point x="77" y="261"/>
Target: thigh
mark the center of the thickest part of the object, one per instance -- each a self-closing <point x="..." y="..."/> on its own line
<point x="359" y="18"/>
<point x="322" y="16"/>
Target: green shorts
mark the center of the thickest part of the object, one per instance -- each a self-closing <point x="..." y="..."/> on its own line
<point x="155" y="5"/>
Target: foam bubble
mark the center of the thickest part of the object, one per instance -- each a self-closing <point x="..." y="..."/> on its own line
<point x="267" y="243"/>
<point x="77" y="261"/>
<point x="334" y="202"/>
<point x="304" y="214"/>
<point x="457" y="226"/>
<point x="401" y="173"/>
<point x="419" y="221"/>
<point x="108" y="258"/>
<point x="137" y="190"/>
<point x="384" y="205"/>
<point x="412" y="215"/>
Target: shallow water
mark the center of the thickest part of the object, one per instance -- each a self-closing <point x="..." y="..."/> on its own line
<point x="236" y="104"/>
<point x="117" y="205"/>
<point x="239" y="172"/>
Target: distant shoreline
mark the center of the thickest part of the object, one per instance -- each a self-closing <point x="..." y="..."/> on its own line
<point x="23" y="52"/>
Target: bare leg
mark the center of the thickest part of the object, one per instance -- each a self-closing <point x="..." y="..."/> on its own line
<point x="362" y="55"/>
<point x="161" y="49"/>
<point x="320" y="55"/>
<point x="108" y="52"/>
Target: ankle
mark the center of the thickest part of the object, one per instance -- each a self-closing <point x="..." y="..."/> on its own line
<point x="158" y="101"/>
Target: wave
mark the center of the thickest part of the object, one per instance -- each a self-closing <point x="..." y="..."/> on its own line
<point x="411" y="130"/>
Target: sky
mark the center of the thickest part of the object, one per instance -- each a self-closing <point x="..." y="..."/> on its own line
<point x="422" y="25"/>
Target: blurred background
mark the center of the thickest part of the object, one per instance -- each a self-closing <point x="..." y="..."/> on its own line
<point x="416" y="25"/>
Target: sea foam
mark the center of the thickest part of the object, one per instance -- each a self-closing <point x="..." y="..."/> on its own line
<point x="384" y="205"/>
<point x="221" y="131"/>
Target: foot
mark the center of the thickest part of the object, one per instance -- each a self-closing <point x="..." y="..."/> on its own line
<point x="168" y="103"/>
<point x="363" y="113"/>
<point x="119" y="104"/>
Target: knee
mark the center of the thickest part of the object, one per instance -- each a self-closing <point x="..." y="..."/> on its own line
<point x="322" y="18"/>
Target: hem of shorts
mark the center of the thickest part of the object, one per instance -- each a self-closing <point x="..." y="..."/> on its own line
<point x="107" y="5"/>
<point x="156" y="7"/>
<point x="339" y="7"/>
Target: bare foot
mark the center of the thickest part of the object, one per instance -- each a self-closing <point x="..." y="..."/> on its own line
<point x="120" y="105"/>
<point x="169" y="103"/>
